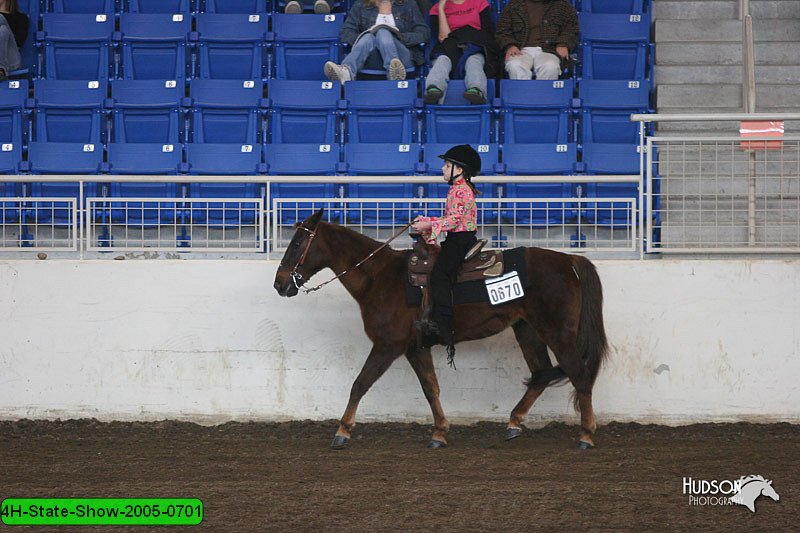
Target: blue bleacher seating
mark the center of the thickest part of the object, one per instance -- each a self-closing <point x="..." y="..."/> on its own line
<point x="456" y="121"/>
<point x="300" y="159"/>
<point x="303" y="111"/>
<point x="614" y="6"/>
<point x="611" y="213"/>
<point x="147" y="120"/>
<point x="158" y="6"/>
<point x="226" y="127"/>
<point x="304" y="43"/>
<point x="321" y="195"/>
<point x="9" y="210"/>
<point x="375" y="159"/>
<point x="385" y="214"/>
<point x="381" y="111"/>
<point x="231" y="46"/>
<point x="245" y="7"/>
<point x="83" y="6"/>
<point x="76" y="46"/>
<point x="13" y="95"/>
<point x="223" y="214"/>
<point x="144" y="214"/>
<point x="154" y="46"/>
<point x="614" y="46"/>
<point x="69" y="127"/>
<point x="30" y="59"/>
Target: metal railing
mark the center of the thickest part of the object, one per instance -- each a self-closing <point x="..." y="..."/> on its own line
<point x="723" y="193"/>
<point x="572" y="220"/>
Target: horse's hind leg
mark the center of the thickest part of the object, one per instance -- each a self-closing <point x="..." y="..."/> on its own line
<point x="581" y="378"/>
<point x="588" y="424"/>
<point x="422" y="363"/>
<point x="379" y="360"/>
<point x="535" y="353"/>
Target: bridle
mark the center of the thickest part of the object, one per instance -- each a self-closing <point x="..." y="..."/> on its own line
<point x="297" y="277"/>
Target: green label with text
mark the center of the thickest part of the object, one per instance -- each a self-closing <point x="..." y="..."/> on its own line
<point x="101" y="511"/>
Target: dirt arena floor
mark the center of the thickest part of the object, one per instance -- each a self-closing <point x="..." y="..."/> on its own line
<point x="283" y="477"/>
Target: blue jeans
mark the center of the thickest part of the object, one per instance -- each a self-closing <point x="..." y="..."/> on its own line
<point x="385" y="43"/>
<point x="9" y="53"/>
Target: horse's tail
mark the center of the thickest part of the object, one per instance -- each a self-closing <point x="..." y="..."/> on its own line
<point x="591" y="343"/>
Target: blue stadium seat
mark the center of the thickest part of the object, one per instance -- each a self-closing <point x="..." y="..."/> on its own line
<point x="158" y="6"/>
<point x="456" y="121"/>
<point x="144" y="214"/>
<point x="30" y="59"/>
<point x="384" y="214"/>
<point x="615" y="47"/>
<point x="540" y="158"/>
<point x="77" y="46"/>
<point x="537" y="111"/>
<point x="221" y="214"/>
<point x="321" y="195"/>
<point x="12" y="101"/>
<point x="433" y="163"/>
<point x="231" y="46"/>
<point x="9" y="210"/>
<point x="610" y="139"/>
<point x="376" y="159"/>
<point x="154" y="46"/>
<point x="226" y="127"/>
<point x="303" y="111"/>
<point x="610" y="213"/>
<point x="53" y="211"/>
<point x="614" y="6"/>
<point x="147" y="121"/>
<point x="381" y="111"/>
<point x="244" y="7"/>
<point x="95" y="7"/>
<point x="304" y="43"/>
<point x="301" y="159"/>
<point x="69" y="127"/>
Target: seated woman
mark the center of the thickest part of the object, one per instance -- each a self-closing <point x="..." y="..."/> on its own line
<point x="13" y="31"/>
<point x="466" y="49"/>
<point x="392" y="29"/>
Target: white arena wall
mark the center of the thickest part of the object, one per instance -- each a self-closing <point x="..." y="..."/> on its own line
<point x="211" y="341"/>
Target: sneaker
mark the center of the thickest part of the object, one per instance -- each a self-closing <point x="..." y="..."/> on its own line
<point x="473" y="95"/>
<point x="336" y="72"/>
<point x="321" y="7"/>
<point x="433" y="95"/>
<point x="293" y="8"/>
<point x="397" y="71"/>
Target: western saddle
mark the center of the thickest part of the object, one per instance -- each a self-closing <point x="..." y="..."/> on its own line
<point x="478" y="264"/>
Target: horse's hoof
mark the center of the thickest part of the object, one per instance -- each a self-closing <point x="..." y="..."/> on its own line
<point x="436" y="445"/>
<point x="583" y="445"/>
<point x="513" y="433"/>
<point x="339" y="442"/>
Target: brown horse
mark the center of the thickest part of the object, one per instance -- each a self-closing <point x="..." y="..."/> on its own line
<point x="563" y="309"/>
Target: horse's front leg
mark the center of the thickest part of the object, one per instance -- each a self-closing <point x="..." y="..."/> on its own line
<point x="422" y="363"/>
<point x="379" y="360"/>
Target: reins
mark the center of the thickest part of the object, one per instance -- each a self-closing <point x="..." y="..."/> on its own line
<point x="296" y="276"/>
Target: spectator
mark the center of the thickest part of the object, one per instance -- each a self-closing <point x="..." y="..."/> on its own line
<point x="321" y="7"/>
<point x="13" y="31"/>
<point x="536" y="37"/>
<point x="465" y="48"/>
<point x="388" y="31"/>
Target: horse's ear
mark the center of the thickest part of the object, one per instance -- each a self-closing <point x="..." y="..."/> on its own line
<point x="313" y="220"/>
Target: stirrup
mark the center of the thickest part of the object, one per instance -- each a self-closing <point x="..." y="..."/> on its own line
<point x="476" y="248"/>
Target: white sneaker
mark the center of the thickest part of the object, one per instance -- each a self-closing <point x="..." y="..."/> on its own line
<point x="293" y="8"/>
<point x="321" y="7"/>
<point x="336" y="72"/>
<point x="397" y="71"/>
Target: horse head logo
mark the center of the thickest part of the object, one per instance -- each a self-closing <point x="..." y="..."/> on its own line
<point x="751" y="488"/>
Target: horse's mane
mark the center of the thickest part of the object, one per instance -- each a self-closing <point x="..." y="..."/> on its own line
<point x="744" y="480"/>
<point x="359" y="238"/>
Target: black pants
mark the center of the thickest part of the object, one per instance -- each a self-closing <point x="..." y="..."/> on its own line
<point x="445" y="271"/>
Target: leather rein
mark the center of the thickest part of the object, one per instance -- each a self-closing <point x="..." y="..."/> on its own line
<point x="297" y="278"/>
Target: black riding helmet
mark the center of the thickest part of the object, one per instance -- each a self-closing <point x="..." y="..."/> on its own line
<point x="464" y="156"/>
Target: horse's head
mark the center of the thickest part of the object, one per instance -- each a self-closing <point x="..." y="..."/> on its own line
<point x="770" y="492"/>
<point x="299" y="262"/>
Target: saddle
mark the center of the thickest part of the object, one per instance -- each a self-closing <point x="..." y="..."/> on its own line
<point x="478" y="264"/>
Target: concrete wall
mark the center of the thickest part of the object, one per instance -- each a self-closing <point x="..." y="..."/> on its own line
<point x="210" y="341"/>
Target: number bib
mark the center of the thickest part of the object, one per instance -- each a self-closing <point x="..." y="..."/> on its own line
<point x="505" y="288"/>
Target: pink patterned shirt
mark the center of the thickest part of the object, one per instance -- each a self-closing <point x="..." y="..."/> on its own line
<point x="461" y="212"/>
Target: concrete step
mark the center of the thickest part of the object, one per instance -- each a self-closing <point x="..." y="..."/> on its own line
<point x="773" y="97"/>
<point x="724" y="10"/>
<point x="710" y="97"/>
<point x="774" y="74"/>
<point x="724" y="31"/>
<point x="725" y="54"/>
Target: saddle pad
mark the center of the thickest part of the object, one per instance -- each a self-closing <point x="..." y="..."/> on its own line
<point x="475" y="291"/>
